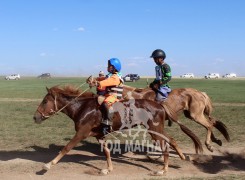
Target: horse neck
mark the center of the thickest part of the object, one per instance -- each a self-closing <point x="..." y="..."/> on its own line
<point x="72" y="106"/>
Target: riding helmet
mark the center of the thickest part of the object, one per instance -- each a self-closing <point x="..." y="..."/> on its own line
<point x="158" y="53"/>
<point x="116" y="63"/>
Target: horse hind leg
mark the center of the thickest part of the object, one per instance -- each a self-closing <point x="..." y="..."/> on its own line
<point x="201" y="119"/>
<point x="213" y="138"/>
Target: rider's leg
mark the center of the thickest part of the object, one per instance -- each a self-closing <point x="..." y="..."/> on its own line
<point x="162" y="93"/>
<point x="106" y="121"/>
<point x="161" y="96"/>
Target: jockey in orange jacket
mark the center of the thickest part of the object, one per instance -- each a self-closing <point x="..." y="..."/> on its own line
<point x="114" y="89"/>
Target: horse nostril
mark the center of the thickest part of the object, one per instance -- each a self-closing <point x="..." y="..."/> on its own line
<point x="34" y="118"/>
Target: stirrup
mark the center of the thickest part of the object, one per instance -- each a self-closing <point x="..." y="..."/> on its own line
<point x="106" y="129"/>
<point x="106" y="122"/>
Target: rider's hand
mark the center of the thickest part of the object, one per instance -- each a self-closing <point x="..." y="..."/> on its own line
<point x="152" y="85"/>
<point x="93" y="83"/>
<point x="89" y="80"/>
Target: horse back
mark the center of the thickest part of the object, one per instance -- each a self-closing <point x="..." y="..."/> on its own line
<point x="128" y="113"/>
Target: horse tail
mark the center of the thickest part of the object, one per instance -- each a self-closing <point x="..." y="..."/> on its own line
<point x="208" y="105"/>
<point x="195" y="139"/>
<point x="222" y="129"/>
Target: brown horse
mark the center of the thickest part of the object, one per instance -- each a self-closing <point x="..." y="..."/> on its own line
<point x="82" y="108"/>
<point x="195" y="105"/>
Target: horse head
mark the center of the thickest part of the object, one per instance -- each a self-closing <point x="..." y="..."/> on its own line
<point x="57" y="99"/>
<point x="47" y="107"/>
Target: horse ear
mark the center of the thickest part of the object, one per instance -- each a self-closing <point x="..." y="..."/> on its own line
<point x="51" y="91"/>
<point x="48" y="89"/>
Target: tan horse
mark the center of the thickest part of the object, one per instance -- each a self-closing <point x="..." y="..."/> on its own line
<point x="195" y="105"/>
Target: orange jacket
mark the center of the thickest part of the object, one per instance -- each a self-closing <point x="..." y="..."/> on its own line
<point x="101" y="79"/>
<point x="114" y="80"/>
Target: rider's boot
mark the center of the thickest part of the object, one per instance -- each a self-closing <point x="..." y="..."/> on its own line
<point x="106" y="121"/>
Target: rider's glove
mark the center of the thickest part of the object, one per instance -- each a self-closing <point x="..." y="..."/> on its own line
<point x="152" y="85"/>
<point x="91" y="81"/>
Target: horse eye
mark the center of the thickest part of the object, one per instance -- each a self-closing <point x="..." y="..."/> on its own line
<point x="45" y="101"/>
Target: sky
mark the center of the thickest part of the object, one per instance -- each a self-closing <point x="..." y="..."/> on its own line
<point x="77" y="37"/>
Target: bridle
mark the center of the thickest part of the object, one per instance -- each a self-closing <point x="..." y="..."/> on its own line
<point x="56" y="110"/>
<point x="51" y="112"/>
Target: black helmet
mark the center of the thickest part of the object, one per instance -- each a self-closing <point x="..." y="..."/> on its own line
<point x="158" y="53"/>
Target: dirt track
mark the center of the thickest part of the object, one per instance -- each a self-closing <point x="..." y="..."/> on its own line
<point x="82" y="164"/>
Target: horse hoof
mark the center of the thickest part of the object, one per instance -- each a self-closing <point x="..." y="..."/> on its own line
<point x="46" y="167"/>
<point x="159" y="173"/>
<point x="188" y="158"/>
<point x="104" y="171"/>
<point x="219" y="142"/>
<point x="210" y="148"/>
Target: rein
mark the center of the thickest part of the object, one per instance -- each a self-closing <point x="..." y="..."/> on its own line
<point x="55" y="102"/>
<point x="56" y="111"/>
<point x="81" y="85"/>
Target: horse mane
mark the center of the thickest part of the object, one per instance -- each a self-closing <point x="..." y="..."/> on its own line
<point x="129" y="87"/>
<point x="138" y="90"/>
<point x="71" y="91"/>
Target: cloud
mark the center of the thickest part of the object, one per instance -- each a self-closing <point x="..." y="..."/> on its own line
<point x="80" y="29"/>
<point x="148" y="10"/>
<point x="55" y="29"/>
<point x="132" y="64"/>
<point x="99" y="66"/>
<point x="177" y="65"/>
<point x="218" y="61"/>
<point x="43" y="54"/>
<point x="139" y="59"/>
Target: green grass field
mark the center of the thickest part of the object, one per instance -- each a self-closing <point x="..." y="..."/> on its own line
<point x="19" y="132"/>
<point x="220" y="91"/>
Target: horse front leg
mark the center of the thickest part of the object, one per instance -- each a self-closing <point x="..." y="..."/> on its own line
<point x="165" y="149"/>
<point x="73" y="142"/>
<point x="108" y="157"/>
